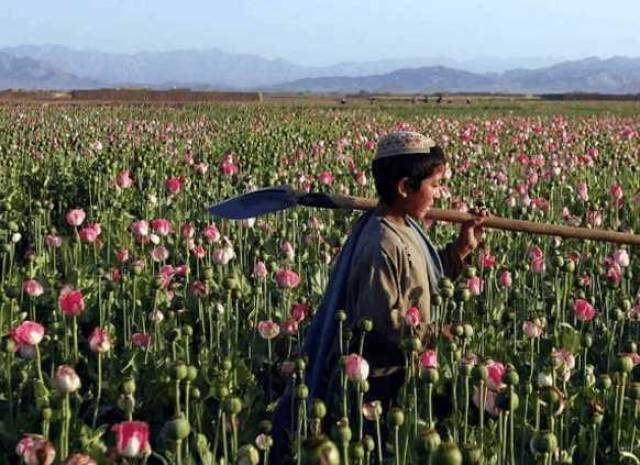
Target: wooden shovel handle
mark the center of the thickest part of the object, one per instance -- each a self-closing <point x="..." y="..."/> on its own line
<point x="496" y="222"/>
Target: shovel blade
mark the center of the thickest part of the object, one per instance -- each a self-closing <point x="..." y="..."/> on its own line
<point x="256" y="203"/>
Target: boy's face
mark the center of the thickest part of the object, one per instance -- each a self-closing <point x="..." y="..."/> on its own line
<point x="415" y="203"/>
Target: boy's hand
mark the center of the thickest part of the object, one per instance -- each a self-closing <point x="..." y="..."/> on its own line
<point x="471" y="233"/>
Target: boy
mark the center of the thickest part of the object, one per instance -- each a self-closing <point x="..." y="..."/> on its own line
<point x="386" y="266"/>
<point x="394" y="266"/>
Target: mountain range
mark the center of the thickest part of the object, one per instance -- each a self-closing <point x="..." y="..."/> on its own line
<point x="61" y="68"/>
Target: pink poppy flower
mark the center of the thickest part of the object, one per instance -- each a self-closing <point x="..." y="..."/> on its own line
<point x="159" y="254"/>
<point x="582" y="191"/>
<point x="505" y="279"/>
<point x="300" y="311"/>
<point x="616" y="193"/>
<point x="614" y="274"/>
<point x="211" y="233"/>
<point x="116" y="274"/>
<point x="199" y="251"/>
<point x="413" y="317"/>
<point x="486" y="260"/>
<point x="496" y="371"/>
<point x="268" y="329"/>
<point x="91" y="233"/>
<point x="141" y="339"/>
<point x="140" y="228"/>
<point x="533" y="329"/>
<point x="71" y="301"/>
<point x="32" y="288"/>
<point x="585" y="280"/>
<point x="66" y="380"/>
<point x="326" y="178"/>
<point x="356" y="368"/>
<point x="187" y="230"/>
<point x="287" y="279"/>
<point x="198" y="289"/>
<point x="535" y="253"/>
<point x="538" y="265"/>
<point x="567" y="362"/>
<point x="123" y="255"/>
<point x="173" y="185"/>
<point x="123" y="179"/>
<point x="290" y="327"/>
<point x="100" y="341"/>
<point x="53" y="240"/>
<point x="260" y="270"/>
<point x="584" y="310"/>
<point x="229" y="168"/>
<point x="223" y="255"/>
<point x="27" y="333"/>
<point x="594" y="218"/>
<point x="161" y="226"/>
<point x="621" y="257"/>
<point x="75" y="217"/>
<point x="429" y="359"/>
<point x="475" y="285"/>
<point x="35" y="450"/>
<point x="132" y="439"/>
<point x="182" y="270"/>
<point x="287" y="249"/>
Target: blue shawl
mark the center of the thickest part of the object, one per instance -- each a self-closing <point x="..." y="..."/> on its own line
<point x="320" y="336"/>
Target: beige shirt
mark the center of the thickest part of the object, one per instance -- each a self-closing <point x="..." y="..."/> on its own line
<point x="388" y="276"/>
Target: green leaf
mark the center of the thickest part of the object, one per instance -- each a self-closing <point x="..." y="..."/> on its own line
<point x="569" y="338"/>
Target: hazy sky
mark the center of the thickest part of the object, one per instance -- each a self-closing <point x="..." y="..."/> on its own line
<point x="328" y="31"/>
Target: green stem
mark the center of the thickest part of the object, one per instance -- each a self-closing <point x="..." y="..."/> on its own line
<point x="99" y="393"/>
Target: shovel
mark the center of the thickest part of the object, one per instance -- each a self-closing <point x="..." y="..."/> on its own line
<point x="273" y="199"/>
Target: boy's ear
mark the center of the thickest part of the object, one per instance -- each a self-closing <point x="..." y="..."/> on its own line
<point x="403" y="188"/>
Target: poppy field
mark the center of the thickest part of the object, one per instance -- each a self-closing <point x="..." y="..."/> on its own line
<point x="137" y="328"/>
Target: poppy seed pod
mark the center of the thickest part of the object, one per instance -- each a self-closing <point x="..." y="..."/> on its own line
<point x="507" y="400"/>
<point x="472" y="455"/>
<point x="233" y="405"/>
<point x="447" y="454"/>
<point x="369" y="443"/>
<point x="544" y="442"/>
<point x="318" y="409"/>
<point x="604" y="382"/>
<point x="396" y="416"/>
<point x="320" y="451"/>
<point x="177" y="429"/>
<point x="593" y="413"/>
<point x="192" y="373"/>
<point x="624" y="364"/>
<point x="248" y="455"/>
<point x="511" y="377"/>
<point x="342" y="432"/>
<point x="265" y="426"/>
<point x="429" y="440"/>
<point x="179" y="371"/>
<point x="366" y="325"/>
<point x="430" y="375"/>
<point x="356" y="451"/>
<point x="480" y="372"/>
<point x="302" y="392"/>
